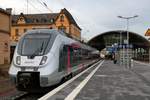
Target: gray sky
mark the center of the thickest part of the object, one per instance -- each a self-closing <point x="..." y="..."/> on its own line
<point x="93" y="16"/>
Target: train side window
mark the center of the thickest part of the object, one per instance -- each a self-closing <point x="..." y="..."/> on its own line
<point x="76" y="56"/>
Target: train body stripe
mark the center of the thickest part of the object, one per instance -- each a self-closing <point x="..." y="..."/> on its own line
<point x="68" y="61"/>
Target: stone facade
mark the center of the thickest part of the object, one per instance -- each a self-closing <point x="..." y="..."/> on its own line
<point x="61" y="21"/>
<point x="4" y="37"/>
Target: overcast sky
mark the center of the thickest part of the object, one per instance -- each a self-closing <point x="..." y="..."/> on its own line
<point x="93" y="16"/>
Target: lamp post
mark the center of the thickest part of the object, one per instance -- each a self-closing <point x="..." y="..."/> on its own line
<point x="127" y="41"/>
<point x="128" y="18"/>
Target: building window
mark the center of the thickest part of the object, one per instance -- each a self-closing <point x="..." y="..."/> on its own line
<point x="17" y="32"/>
<point x="34" y="20"/>
<point x="51" y="20"/>
<point x="62" y="28"/>
<point x="62" y="18"/>
<point x="25" y="30"/>
<point x="5" y="47"/>
<point x="43" y="20"/>
<point x="21" y="19"/>
<point x="37" y="20"/>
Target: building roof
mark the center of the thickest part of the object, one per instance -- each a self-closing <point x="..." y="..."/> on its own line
<point x="4" y="11"/>
<point x="69" y="16"/>
<point x="46" y="18"/>
<point x="135" y="39"/>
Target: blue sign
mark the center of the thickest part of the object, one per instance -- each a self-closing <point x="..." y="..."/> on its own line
<point x="126" y="46"/>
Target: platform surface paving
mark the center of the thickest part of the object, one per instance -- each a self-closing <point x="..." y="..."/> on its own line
<point x="112" y="82"/>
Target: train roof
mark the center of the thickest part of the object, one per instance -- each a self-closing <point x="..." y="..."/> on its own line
<point x="49" y="31"/>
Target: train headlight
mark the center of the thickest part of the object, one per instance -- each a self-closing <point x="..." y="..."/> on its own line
<point x="43" y="61"/>
<point x="18" y="60"/>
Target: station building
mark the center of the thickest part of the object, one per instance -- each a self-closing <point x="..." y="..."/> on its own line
<point x="5" y="27"/>
<point x="147" y="34"/>
<point x="115" y="42"/>
<point x="61" y="21"/>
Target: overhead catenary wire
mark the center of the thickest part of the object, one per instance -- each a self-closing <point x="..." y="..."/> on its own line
<point x="44" y="5"/>
<point x="47" y="7"/>
<point x="27" y="6"/>
<point x="31" y="4"/>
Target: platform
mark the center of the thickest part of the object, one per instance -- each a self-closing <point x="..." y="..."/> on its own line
<point x="109" y="82"/>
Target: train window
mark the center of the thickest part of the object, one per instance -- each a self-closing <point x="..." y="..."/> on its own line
<point x="28" y="45"/>
<point x="30" y="42"/>
<point x="76" y="56"/>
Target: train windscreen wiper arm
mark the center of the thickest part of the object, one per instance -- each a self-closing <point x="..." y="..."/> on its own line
<point x="38" y="50"/>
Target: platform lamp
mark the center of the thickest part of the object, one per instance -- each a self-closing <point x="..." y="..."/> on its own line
<point x="127" y="19"/>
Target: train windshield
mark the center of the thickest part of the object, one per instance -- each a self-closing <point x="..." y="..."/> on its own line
<point x="35" y="44"/>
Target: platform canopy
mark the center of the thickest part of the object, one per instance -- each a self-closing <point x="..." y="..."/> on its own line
<point x="118" y="37"/>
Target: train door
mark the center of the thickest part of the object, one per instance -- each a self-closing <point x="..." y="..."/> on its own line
<point x="65" y="58"/>
<point x="62" y="58"/>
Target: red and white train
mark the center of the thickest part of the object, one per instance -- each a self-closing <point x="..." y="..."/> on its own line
<point x="44" y="57"/>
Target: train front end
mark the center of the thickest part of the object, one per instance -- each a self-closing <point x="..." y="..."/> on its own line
<point x="30" y="68"/>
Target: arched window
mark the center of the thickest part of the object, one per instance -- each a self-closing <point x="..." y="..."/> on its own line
<point x="43" y="20"/>
<point x="62" y="18"/>
<point x="51" y="20"/>
<point x="21" y="18"/>
<point x="37" y="20"/>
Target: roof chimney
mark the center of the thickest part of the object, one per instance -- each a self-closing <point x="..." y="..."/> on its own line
<point x="9" y="10"/>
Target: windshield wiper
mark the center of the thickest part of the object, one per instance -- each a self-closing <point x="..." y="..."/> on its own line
<point x="41" y="47"/>
<point x="38" y="50"/>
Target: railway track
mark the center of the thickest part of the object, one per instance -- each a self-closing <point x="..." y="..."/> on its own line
<point x="19" y="96"/>
<point x="13" y="96"/>
<point x="29" y="96"/>
<point x="33" y="96"/>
